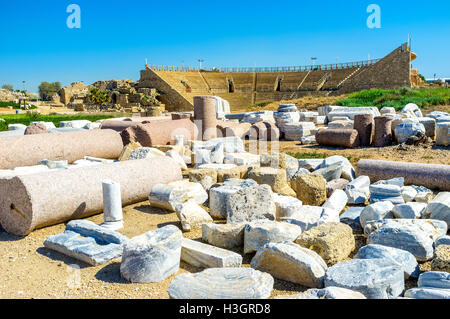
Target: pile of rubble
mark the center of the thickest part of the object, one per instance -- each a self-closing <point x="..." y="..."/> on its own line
<point x="296" y="217"/>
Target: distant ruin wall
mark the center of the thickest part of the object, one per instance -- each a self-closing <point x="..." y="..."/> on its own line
<point x="173" y="100"/>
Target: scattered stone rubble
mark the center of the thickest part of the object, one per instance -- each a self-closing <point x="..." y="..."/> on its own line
<point x="295" y="218"/>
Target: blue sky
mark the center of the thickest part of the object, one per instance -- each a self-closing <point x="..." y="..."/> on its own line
<point x="116" y="36"/>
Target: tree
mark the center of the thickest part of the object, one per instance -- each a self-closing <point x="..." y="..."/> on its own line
<point x="8" y="87"/>
<point x="99" y="97"/>
<point x="47" y="90"/>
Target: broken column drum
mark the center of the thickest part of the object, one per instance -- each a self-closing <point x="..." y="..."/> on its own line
<point x="363" y="123"/>
<point x="383" y="131"/>
<point x="264" y="131"/>
<point x="433" y="176"/>
<point x="338" y="137"/>
<point x="159" y="133"/>
<point x="205" y="117"/>
<point x="34" y="201"/>
<point x="112" y="205"/>
<point x="29" y="150"/>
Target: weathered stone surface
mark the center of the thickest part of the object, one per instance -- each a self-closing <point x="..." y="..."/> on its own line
<point x="169" y="196"/>
<point x="311" y="216"/>
<point x="358" y="190"/>
<point x="364" y="124"/>
<point x="205" y="177"/>
<point x="407" y="129"/>
<point x="428" y="293"/>
<point x="217" y="155"/>
<point x="206" y="256"/>
<point x="232" y="144"/>
<point x="334" y="242"/>
<point x="201" y="157"/>
<point x="330" y="172"/>
<point x="411" y="238"/>
<point x="126" y="151"/>
<point x="219" y="196"/>
<point x="441" y="260"/>
<point x="403" y="258"/>
<point x="241" y="158"/>
<point x="310" y="189"/>
<point x="348" y="172"/>
<point x="336" y="184"/>
<point x="286" y="205"/>
<point x="227" y="236"/>
<point x="290" y="262"/>
<point x="351" y="217"/>
<point x="36" y="128"/>
<point x="409" y="193"/>
<point x="145" y="152"/>
<point x="434" y="228"/>
<point x="191" y="215"/>
<point x="444" y="240"/>
<point x="410" y="210"/>
<point x="337" y="201"/>
<point x="434" y="279"/>
<point x="222" y="283"/>
<point x="88" y="242"/>
<point x="310" y="164"/>
<point x="251" y="203"/>
<point x="325" y="293"/>
<point x="153" y="256"/>
<point x="259" y="233"/>
<point x="274" y="177"/>
<point x="383" y="131"/>
<point x="442" y="136"/>
<point x="377" y="211"/>
<point x="374" y="278"/>
<point x="175" y="155"/>
<point x="386" y="192"/>
<point x="439" y="207"/>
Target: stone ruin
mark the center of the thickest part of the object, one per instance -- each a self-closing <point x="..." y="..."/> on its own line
<point x="296" y="218"/>
<point x="125" y="96"/>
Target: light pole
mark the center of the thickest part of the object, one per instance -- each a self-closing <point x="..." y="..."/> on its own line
<point x="201" y="61"/>
<point x="313" y="61"/>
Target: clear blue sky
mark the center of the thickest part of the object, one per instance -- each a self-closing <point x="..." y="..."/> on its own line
<point x="116" y="36"/>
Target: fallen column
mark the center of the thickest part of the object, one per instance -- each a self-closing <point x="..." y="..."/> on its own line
<point x="240" y="130"/>
<point x="31" y="149"/>
<point x="159" y="133"/>
<point x="34" y="201"/>
<point x="338" y="137"/>
<point x="119" y="126"/>
<point x="432" y="176"/>
<point x="264" y="131"/>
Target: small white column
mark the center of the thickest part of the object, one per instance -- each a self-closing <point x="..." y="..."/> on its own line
<point x="112" y="205"/>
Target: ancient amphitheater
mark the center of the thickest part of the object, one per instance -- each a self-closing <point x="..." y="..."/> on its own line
<point x="246" y="86"/>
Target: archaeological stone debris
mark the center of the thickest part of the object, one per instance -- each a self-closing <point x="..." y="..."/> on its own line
<point x="221" y="215"/>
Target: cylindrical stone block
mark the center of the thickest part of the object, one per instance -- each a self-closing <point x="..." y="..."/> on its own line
<point x="433" y="176"/>
<point x="159" y="133"/>
<point x="240" y="130"/>
<point x="443" y="134"/>
<point x="34" y="201"/>
<point x="119" y="126"/>
<point x="383" y="131"/>
<point x="29" y="150"/>
<point x="112" y="201"/>
<point x="205" y="116"/>
<point x="338" y="137"/>
<point x="264" y="131"/>
<point x="363" y="123"/>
